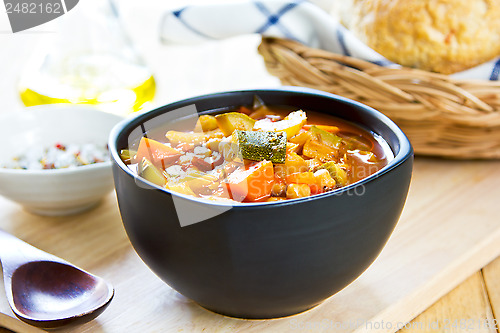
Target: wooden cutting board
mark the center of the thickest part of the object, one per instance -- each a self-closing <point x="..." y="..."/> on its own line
<point x="449" y="229"/>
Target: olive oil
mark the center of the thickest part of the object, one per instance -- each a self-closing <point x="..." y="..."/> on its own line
<point x="111" y="85"/>
<point x="143" y="93"/>
<point x="89" y="59"/>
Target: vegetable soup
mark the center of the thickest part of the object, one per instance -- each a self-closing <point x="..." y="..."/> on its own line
<point x="259" y="154"/>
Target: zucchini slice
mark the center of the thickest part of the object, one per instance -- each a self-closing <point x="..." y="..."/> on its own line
<point x="259" y="146"/>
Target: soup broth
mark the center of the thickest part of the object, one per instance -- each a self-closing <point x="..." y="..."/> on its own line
<point x="257" y="154"/>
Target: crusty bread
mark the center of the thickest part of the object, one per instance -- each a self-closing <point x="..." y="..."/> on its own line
<point x="444" y="36"/>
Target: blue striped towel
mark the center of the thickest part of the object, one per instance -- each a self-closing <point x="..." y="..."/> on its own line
<point x="298" y="20"/>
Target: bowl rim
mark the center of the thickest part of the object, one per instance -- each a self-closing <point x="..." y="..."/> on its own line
<point x="405" y="148"/>
<point x="38" y="110"/>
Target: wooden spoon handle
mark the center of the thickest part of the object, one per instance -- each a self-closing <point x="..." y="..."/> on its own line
<point x="15" y="252"/>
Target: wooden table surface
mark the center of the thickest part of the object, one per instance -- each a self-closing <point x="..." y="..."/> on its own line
<point x="183" y="71"/>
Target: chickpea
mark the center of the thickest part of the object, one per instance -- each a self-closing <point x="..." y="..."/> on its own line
<point x="295" y="191"/>
<point x="279" y="189"/>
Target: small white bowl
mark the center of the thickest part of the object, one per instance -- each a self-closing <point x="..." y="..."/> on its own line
<point x="56" y="191"/>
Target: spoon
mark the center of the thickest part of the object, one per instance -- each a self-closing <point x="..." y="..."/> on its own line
<point x="46" y="291"/>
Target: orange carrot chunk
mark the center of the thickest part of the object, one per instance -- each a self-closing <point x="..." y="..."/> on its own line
<point x="162" y="156"/>
<point x="251" y="183"/>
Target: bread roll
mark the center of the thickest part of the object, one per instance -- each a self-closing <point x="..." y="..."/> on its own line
<point x="444" y="36"/>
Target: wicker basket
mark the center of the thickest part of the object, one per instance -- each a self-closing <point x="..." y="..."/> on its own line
<point x="441" y="116"/>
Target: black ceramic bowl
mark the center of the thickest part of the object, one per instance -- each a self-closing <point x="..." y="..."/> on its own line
<point x="271" y="259"/>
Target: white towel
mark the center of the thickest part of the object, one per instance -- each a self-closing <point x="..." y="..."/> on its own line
<point x="298" y="20"/>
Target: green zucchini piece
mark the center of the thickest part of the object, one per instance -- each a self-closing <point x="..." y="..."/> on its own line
<point x="259" y="146"/>
<point x="330" y="139"/>
<point x="337" y="173"/>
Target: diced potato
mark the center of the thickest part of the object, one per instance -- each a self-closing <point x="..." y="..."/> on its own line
<point x="205" y="123"/>
<point x="336" y="172"/>
<point x="295" y="191"/>
<point x="323" y="179"/>
<point x="175" y="137"/>
<point x="231" y="121"/>
<point x="291" y="124"/>
<point x="315" y="149"/>
<point x="148" y="171"/>
<point x="292" y="147"/>
<point x="293" y="163"/>
<point x="301" y="178"/>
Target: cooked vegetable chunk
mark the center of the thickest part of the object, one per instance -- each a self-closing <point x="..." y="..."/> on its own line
<point x="327" y="138"/>
<point x="315" y="149"/>
<point x="231" y="121"/>
<point x="293" y="163"/>
<point x="323" y="179"/>
<point x="203" y="183"/>
<point x="291" y="124"/>
<point x="205" y="123"/>
<point x="148" y="171"/>
<point x="301" y="138"/>
<point x="295" y="191"/>
<point x="259" y="146"/>
<point x="301" y="178"/>
<point x="251" y="183"/>
<point x="128" y="155"/>
<point x="336" y="172"/>
<point x="157" y="153"/>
